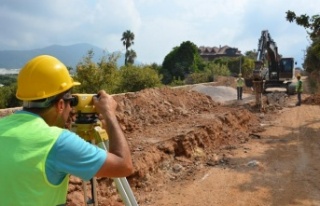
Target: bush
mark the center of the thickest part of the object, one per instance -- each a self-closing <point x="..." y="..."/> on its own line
<point x="133" y="78"/>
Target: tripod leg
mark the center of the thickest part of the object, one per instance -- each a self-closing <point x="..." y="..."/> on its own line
<point x="90" y="200"/>
<point x="122" y="184"/>
<point x="94" y="191"/>
<point x="84" y="188"/>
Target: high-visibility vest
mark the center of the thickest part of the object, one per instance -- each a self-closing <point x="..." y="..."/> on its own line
<point x="299" y="86"/>
<point x="25" y="141"/>
<point x="240" y="82"/>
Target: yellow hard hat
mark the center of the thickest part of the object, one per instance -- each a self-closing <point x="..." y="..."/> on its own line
<point x="42" y="77"/>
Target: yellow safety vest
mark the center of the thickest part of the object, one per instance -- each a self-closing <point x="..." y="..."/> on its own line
<point x="240" y="82"/>
<point x="25" y="141"/>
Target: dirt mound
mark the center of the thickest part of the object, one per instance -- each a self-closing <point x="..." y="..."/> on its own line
<point x="155" y="106"/>
<point x="172" y="133"/>
<point x="313" y="99"/>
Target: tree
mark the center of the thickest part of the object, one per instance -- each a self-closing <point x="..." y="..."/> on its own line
<point x="312" y="26"/>
<point x="251" y="54"/>
<point x="127" y="40"/>
<point x="247" y="66"/>
<point x="181" y="62"/>
<point x="130" y="56"/>
<point x="311" y="23"/>
<point x="312" y="58"/>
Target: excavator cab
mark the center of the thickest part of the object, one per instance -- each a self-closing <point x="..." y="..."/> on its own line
<point x="286" y="69"/>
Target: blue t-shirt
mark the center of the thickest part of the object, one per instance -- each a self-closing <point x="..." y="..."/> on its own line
<point x="73" y="155"/>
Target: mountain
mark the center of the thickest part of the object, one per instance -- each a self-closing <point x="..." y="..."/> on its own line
<point x="69" y="55"/>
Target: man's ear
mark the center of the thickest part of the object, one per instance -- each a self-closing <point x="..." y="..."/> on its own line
<point x="60" y="106"/>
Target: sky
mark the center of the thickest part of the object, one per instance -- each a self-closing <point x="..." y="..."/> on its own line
<point x="158" y="25"/>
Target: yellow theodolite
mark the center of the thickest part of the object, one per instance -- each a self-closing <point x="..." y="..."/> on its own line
<point x="88" y="127"/>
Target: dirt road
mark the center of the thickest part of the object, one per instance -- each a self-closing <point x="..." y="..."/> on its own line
<point x="279" y="168"/>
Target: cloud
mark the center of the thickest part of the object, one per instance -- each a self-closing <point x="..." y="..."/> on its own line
<point x="158" y="25"/>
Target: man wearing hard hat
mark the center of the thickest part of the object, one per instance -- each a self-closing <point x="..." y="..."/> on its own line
<point x="37" y="154"/>
<point x="240" y="84"/>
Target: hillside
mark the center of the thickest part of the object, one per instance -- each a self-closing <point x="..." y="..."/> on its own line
<point x="69" y="55"/>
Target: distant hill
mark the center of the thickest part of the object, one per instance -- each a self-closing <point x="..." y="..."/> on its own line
<point x="69" y="55"/>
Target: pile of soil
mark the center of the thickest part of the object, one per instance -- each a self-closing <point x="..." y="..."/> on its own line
<point x="172" y="133"/>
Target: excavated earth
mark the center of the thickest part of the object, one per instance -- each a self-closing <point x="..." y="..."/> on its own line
<point x="176" y="134"/>
<point x="172" y="133"/>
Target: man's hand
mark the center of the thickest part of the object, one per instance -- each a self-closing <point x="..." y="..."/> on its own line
<point x="105" y="104"/>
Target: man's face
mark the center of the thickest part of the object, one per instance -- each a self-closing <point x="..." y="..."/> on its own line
<point x="63" y="111"/>
<point x="68" y="115"/>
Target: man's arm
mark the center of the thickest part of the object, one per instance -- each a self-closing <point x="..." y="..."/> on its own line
<point x="118" y="162"/>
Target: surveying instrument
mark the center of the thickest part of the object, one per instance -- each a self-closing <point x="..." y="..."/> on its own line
<point x="88" y="127"/>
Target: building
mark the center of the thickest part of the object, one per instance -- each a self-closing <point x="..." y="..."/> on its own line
<point x="210" y="53"/>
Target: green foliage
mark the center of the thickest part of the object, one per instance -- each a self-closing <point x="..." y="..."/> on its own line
<point x="251" y="54"/>
<point x="214" y="69"/>
<point x="312" y="60"/>
<point x="199" y="77"/>
<point x="133" y="78"/>
<point x="8" y="79"/>
<point x="4" y="94"/>
<point x="247" y="66"/>
<point x="219" y="70"/>
<point x="155" y="67"/>
<point x="8" y="98"/>
<point x="168" y="69"/>
<point x="96" y="76"/>
<point x="181" y="62"/>
<point x="130" y="56"/>
<point x="314" y="82"/>
<point x="312" y="26"/>
<point x="177" y="82"/>
<point x="111" y="74"/>
<point x="234" y="65"/>
<point x="211" y="70"/>
<point x="106" y="75"/>
<point x="311" y="23"/>
<point x="8" y="91"/>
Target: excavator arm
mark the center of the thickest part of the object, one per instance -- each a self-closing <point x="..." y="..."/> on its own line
<point x="267" y="62"/>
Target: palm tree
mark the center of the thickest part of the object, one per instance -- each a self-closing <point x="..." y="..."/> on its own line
<point x="131" y="55"/>
<point x="127" y="39"/>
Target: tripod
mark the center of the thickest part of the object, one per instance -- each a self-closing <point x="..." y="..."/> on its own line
<point x="90" y="130"/>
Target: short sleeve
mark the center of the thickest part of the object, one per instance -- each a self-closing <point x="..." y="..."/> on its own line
<point x="73" y="155"/>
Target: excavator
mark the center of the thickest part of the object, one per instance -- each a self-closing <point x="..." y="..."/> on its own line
<point x="270" y="68"/>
